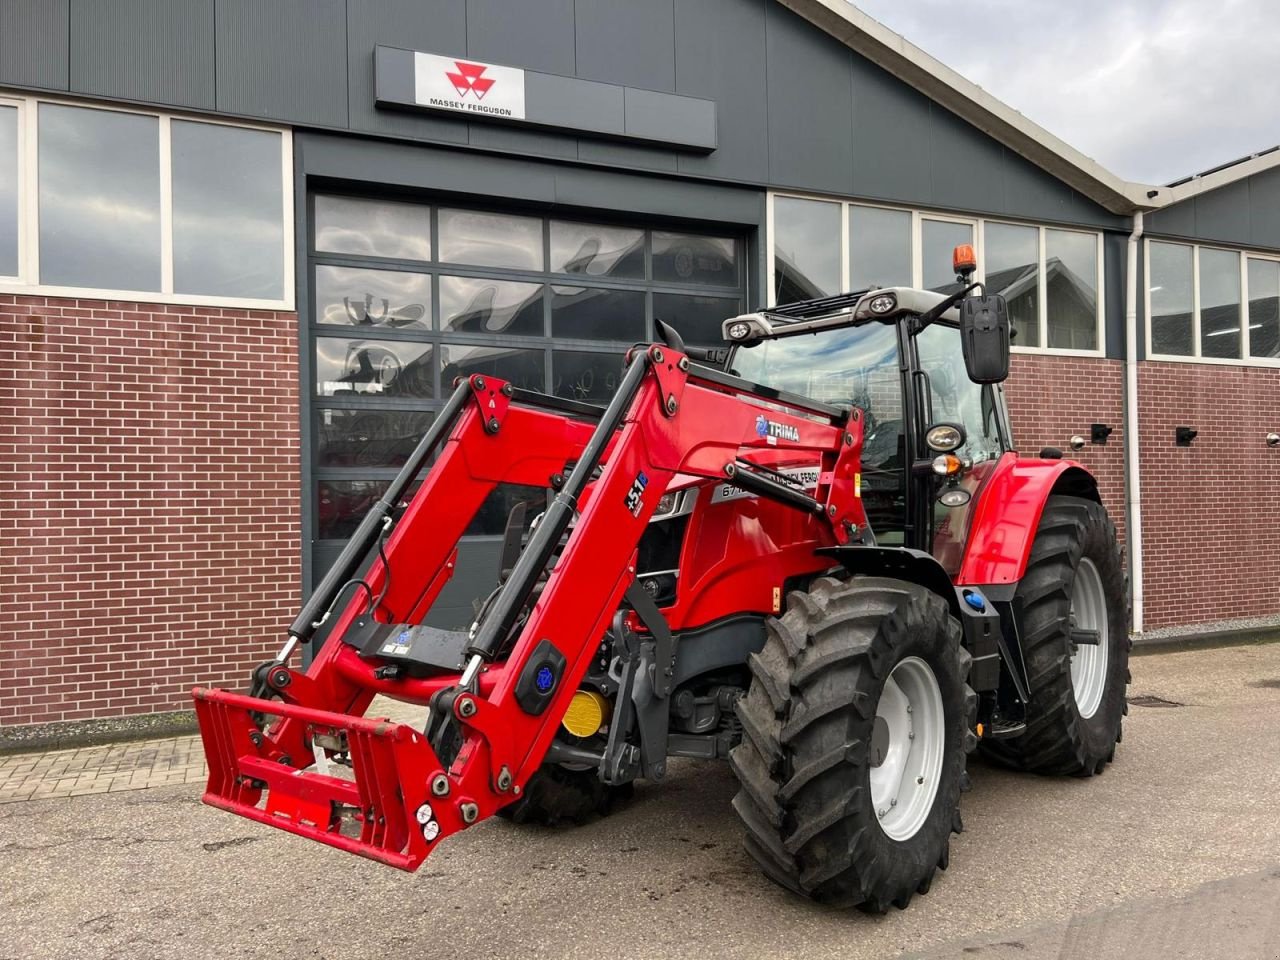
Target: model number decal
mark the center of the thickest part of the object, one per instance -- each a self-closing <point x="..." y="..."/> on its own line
<point x="636" y="493"/>
<point x="805" y="477"/>
<point x="772" y="430"/>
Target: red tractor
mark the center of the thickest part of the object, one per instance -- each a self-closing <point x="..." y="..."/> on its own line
<point x="814" y="554"/>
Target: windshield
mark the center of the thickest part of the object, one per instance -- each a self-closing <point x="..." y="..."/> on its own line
<point x="955" y="398"/>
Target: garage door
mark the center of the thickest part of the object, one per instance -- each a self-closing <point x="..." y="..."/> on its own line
<point x="407" y="296"/>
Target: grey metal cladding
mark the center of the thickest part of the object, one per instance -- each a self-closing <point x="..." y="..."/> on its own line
<point x="810" y="123"/>
<point x="566" y="102"/>
<point x="967" y="167"/>
<point x="1178" y="220"/>
<point x="720" y="55"/>
<point x="159" y="51"/>
<point x="34" y="42"/>
<point x="1224" y="215"/>
<point x="890" y="122"/>
<point x="534" y="34"/>
<point x="1115" y="256"/>
<point x="627" y="155"/>
<point x="437" y="26"/>
<point x="285" y="60"/>
<point x="1264" y="203"/>
<point x="662" y="117"/>
<point x="627" y="42"/>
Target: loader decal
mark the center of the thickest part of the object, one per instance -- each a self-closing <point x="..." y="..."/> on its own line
<point x="636" y="493"/>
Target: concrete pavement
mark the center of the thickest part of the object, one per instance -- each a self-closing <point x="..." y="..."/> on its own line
<point x="1173" y="852"/>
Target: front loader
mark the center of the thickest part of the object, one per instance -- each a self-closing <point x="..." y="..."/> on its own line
<point x="820" y="559"/>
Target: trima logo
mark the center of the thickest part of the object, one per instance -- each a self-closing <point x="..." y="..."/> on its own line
<point x="771" y="430"/>
<point x="470" y="78"/>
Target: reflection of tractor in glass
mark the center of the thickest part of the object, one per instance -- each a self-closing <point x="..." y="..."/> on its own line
<point x="712" y="580"/>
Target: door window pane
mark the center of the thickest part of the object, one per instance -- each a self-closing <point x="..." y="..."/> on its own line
<point x="879" y="248"/>
<point x="368" y="438"/>
<point x="378" y="368"/>
<point x="373" y="298"/>
<point x="597" y="251"/>
<point x="589" y="377"/>
<point x="697" y="319"/>
<point x="477" y="305"/>
<point x="1071" y="276"/>
<point x="491" y="518"/>
<point x="8" y="191"/>
<point x="373" y="228"/>
<point x="1219" y="303"/>
<point x="99" y="198"/>
<point x="1012" y="266"/>
<point x="1171" y="298"/>
<point x="490" y="239"/>
<point x="1264" y="308"/>
<point x="806" y="249"/>
<point x="688" y="258"/>
<point x="522" y="368"/>
<point x="939" y="238"/>
<point x="342" y="504"/>
<point x="228" y="211"/>
<point x="591" y="314"/>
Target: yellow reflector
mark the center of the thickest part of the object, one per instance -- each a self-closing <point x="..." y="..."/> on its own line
<point x="586" y="714"/>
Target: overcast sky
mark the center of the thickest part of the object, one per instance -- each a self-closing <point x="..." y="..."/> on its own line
<point x="1154" y="90"/>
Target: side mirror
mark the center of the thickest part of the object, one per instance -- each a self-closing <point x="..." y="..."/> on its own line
<point x="984" y="338"/>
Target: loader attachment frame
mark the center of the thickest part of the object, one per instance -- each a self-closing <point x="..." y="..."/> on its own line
<point x="610" y="469"/>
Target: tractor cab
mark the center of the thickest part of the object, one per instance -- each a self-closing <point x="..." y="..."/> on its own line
<point x="922" y="369"/>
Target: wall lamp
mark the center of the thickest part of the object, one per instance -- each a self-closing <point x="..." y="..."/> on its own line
<point x="1182" y="436"/>
<point x="1273" y="439"/>
<point x="1098" y="432"/>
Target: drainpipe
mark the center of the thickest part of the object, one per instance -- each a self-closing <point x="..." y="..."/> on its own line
<point x="1133" y="476"/>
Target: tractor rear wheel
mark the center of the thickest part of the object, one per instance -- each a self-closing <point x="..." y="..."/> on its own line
<point x="1073" y="626"/>
<point x="856" y="728"/>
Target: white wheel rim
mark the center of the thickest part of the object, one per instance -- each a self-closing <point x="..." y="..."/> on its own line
<point x="912" y="737"/>
<point x="1089" y="662"/>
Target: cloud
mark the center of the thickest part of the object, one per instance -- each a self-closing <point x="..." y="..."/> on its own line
<point x="1154" y="90"/>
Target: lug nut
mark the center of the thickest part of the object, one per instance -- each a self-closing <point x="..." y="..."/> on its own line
<point x="684" y="363"/>
<point x="470" y="812"/>
<point x="440" y="785"/>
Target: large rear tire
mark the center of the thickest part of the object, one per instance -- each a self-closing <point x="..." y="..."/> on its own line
<point x="1075" y="575"/>
<point x="856" y="728"/>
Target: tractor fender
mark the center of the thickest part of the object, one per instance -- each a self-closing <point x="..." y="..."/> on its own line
<point x="900" y="563"/>
<point x="1007" y="514"/>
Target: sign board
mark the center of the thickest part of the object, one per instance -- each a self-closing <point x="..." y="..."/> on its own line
<point x="468" y="86"/>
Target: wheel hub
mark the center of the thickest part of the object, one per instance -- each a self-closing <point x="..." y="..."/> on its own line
<point x="1089" y="661"/>
<point x="906" y="752"/>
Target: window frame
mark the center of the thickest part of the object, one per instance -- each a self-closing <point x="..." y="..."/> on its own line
<point x="978" y="224"/>
<point x="1246" y="359"/>
<point x="27" y="282"/>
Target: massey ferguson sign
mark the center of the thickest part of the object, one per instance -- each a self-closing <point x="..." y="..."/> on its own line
<point x="466" y="86"/>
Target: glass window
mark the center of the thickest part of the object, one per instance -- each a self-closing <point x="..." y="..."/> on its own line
<point x="1264" y="308"/>
<point x="1012" y="268"/>
<point x="806" y="249"/>
<point x="342" y="504"/>
<point x="879" y="247"/>
<point x="374" y="298"/>
<point x="938" y="241"/>
<point x="8" y="191"/>
<point x="385" y="368"/>
<point x="478" y="305"/>
<point x="697" y="319"/>
<point x="1071" y="279"/>
<point x="368" y="438"/>
<point x="228" y="211"/>
<point x="1219" y="303"/>
<point x="1172" y="303"/>
<point x="954" y="397"/>
<point x="688" y="258"/>
<point x="491" y="518"/>
<point x="589" y="377"/>
<point x="373" y="228"/>
<point x="584" y="313"/>
<point x="99" y="198"/>
<point x="597" y="251"/>
<point x="490" y="239"/>
<point x="522" y="368"/>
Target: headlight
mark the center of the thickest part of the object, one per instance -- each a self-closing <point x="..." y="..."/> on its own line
<point x="944" y="438"/>
<point x="668" y="504"/>
<point x="947" y="465"/>
<point x="882" y="304"/>
<point x="739" y="331"/>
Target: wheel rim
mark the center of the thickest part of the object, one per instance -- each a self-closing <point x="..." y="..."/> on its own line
<point x="1089" y="661"/>
<point x="907" y="749"/>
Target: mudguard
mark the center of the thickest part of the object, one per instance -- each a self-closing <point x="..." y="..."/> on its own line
<point x="1008" y="512"/>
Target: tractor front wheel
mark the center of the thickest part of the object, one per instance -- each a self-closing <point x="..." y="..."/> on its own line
<point x="557" y="795"/>
<point x="856" y="728"/>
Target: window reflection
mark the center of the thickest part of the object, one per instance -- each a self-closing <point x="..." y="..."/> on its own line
<point x="373" y="228"/>
<point x="1012" y="267"/>
<point x="1219" y="303"/>
<point x="1071" y="276"/>
<point x="522" y="368"/>
<point x="597" y="251"/>
<point x="938" y="240"/>
<point x="1264" y="308"/>
<point x="589" y="377"/>
<point x="490" y="239"/>
<point x="479" y="305"/>
<point x="99" y="178"/>
<point x="697" y="319"/>
<point x="342" y="504"/>
<point x="368" y="438"/>
<point x="879" y="247"/>
<point x="373" y="298"/>
<point x="806" y="249"/>
<point x="594" y="314"/>
<point x="689" y="258"/>
<point x="8" y="191"/>
<point x="491" y="518"/>
<point x="386" y="368"/>
<point x="1171" y="298"/>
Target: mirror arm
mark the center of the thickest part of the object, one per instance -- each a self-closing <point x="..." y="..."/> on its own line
<point x="935" y="312"/>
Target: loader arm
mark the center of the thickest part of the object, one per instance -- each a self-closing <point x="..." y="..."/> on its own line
<point x="668" y="417"/>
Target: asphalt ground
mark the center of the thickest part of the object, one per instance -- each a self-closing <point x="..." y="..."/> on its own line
<point x="1173" y="852"/>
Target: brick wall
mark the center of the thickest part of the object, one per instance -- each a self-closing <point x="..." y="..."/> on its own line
<point x="149" y="530"/>
<point x="1210" y="511"/>
<point x="1051" y="398"/>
